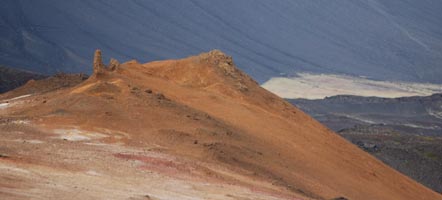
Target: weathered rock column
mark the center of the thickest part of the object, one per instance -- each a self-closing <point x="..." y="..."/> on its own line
<point x="98" y="63"/>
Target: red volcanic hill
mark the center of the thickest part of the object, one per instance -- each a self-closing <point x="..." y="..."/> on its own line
<point x="195" y="128"/>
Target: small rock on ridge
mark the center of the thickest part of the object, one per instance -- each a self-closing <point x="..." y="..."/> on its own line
<point x="113" y="64"/>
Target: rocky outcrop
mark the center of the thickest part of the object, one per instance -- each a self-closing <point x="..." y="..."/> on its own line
<point x="113" y="64"/>
<point x="98" y="66"/>
<point x="226" y="66"/>
<point x="98" y="63"/>
<point x="219" y="59"/>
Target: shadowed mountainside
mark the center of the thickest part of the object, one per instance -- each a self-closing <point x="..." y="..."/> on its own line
<point x="386" y="40"/>
<point x="11" y="78"/>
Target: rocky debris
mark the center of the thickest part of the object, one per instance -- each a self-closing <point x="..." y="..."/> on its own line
<point x="135" y="90"/>
<point x="65" y="76"/>
<point x="226" y="65"/>
<point x="367" y="146"/>
<point x="217" y="57"/>
<point x="148" y="91"/>
<point x="340" y="198"/>
<point x="221" y="60"/>
<point x="242" y="87"/>
<point x="161" y="96"/>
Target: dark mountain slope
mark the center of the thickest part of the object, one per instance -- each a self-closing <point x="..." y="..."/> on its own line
<point x="419" y="113"/>
<point x="12" y="78"/>
<point x="397" y="39"/>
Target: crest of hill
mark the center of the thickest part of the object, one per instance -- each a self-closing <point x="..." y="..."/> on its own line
<point x="212" y="71"/>
<point x="207" y="70"/>
<point x="216" y="72"/>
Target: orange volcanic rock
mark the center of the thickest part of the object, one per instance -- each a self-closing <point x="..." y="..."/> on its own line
<point x="198" y="122"/>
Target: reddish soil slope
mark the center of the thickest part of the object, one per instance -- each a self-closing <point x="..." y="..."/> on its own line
<point x="198" y="120"/>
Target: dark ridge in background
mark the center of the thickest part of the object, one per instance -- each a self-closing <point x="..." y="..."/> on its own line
<point x="386" y="40"/>
<point x="12" y="78"/>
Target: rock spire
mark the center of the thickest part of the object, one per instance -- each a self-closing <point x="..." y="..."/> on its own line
<point x="98" y="63"/>
<point x="99" y="68"/>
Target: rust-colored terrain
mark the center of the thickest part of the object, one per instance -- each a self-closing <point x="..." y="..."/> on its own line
<point x="196" y="128"/>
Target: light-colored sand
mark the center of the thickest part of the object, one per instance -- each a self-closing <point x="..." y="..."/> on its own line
<point x="77" y="134"/>
<point x="318" y="86"/>
<point x="3" y="105"/>
<point x="12" y="101"/>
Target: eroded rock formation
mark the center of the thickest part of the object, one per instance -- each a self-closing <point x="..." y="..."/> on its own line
<point x="98" y="63"/>
<point x="113" y="64"/>
<point x="100" y="68"/>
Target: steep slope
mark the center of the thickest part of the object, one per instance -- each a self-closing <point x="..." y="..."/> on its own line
<point x="12" y="78"/>
<point x="405" y="133"/>
<point x="198" y="118"/>
<point x="387" y="40"/>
